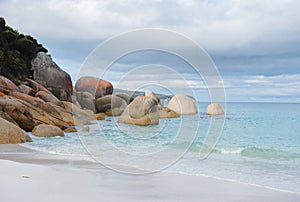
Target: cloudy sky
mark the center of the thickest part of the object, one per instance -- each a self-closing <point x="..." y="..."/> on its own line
<point x="254" y="44"/>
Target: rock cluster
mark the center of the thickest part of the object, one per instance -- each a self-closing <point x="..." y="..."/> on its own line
<point x="37" y="96"/>
<point x="96" y="94"/>
<point x="35" y="106"/>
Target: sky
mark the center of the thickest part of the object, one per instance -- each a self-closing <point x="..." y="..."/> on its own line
<point x="254" y="44"/>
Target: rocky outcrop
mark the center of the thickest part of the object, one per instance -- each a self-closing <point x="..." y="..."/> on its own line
<point x="182" y="104"/>
<point x="18" y="112"/>
<point x="47" y="73"/>
<point x="141" y="111"/>
<point x="214" y="109"/>
<point x="8" y="118"/>
<point x="48" y="97"/>
<point x="44" y="130"/>
<point x="27" y="115"/>
<point x="36" y="86"/>
<point x="7" y="85"/>
<point x="26" y="89"/>
<point x="12" y="134"/>
<point x="35" y="101"/>
<point x="86" y="100"/>
<point x="165" y="112"/>
<point x="95" y="86"/>
<point x="111" y="105"/>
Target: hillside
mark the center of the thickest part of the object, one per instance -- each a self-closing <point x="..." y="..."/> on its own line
<point x="16" y="53"/>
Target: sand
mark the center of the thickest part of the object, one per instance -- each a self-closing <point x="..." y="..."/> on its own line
<point x="31" y="176"/>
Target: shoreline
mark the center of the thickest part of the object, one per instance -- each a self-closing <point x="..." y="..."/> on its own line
<point x="78" y="179"/>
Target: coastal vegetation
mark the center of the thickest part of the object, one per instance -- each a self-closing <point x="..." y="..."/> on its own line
<point x="16" y="53"/>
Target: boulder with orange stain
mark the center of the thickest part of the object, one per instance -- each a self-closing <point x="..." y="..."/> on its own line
<point x="95" y="86"/>
<point x="37" y="102"/>
<point x="7" y="85"/>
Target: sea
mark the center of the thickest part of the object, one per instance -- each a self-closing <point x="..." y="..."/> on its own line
<point x="252" y="143"/>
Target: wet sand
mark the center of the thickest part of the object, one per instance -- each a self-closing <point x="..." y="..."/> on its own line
<point x="28" y="175"/>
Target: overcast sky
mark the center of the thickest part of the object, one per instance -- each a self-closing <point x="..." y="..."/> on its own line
<point x="254" y="44"/>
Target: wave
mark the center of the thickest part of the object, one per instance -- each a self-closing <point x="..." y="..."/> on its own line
<point x="250" y="152"/>
<point x="268" y="153"/>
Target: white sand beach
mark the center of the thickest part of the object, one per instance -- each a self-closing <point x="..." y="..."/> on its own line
<point x="32" y="176"/>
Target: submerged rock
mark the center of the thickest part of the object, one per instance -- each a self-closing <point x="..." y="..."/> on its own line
<point x="214" y="109"/>
<point x="141" y="111"/>
<point x="100" y="116"/>
<point x="12" y="134"/>
<point x="44" y="130"/>
<point x="182" y="104"/>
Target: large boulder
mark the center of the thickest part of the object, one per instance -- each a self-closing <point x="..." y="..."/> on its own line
<point x="141" y="111"/>
<point x="182" y="104"/>
<point x="214" y="109"/>
<point x="86" y="100"/>
<point x="7" y="85"/>
<point x="44" y="130"/>
<point x="47" y="73"/>
<point x="125" y="97"/>
<point x="95" y="86"/>
<point x="111" y="105"/>
<point x="12" y="134"/>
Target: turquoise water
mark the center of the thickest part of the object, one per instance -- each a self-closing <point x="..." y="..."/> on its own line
<point x="259" y="144"/>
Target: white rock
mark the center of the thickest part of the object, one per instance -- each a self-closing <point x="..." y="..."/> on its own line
<point x="182" y="104"/>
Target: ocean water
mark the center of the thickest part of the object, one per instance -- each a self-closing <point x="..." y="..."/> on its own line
<point x="259" y="145"/>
